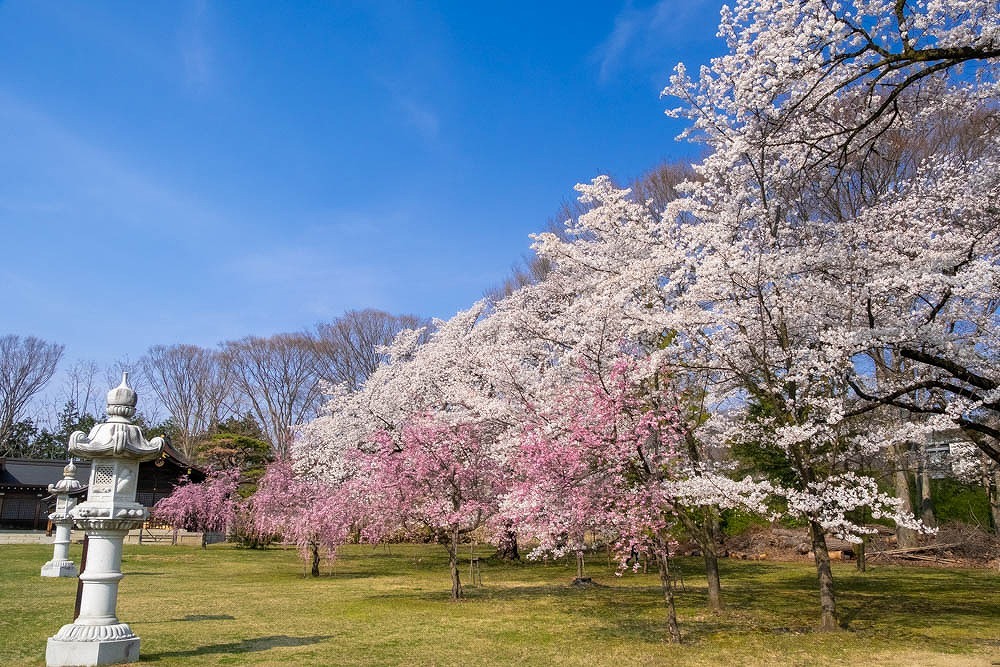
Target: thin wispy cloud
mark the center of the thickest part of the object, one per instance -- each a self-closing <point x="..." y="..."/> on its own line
<point x="315" y="277"/>
<point x="282" y="267"/>
<point x="421" y="117"/>
<point x="195" y="49"/>
<point x="408" y="102"/>
<point x="644" y="36"/>
<point x="81" y="175"/>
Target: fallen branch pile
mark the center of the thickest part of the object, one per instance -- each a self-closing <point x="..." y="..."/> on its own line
<point x="920" y="553"/>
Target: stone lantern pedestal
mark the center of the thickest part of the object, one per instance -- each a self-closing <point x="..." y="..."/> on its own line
<point x="61" y="565"/>
<point x="116" y="447"/>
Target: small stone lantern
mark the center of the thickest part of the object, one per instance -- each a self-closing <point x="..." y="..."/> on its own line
<point x="61" y="565"/>
<point x="116" y="448"/>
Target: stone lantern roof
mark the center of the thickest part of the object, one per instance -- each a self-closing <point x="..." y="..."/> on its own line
<point x="118" y="437"/>
<point x="69" y="483"/>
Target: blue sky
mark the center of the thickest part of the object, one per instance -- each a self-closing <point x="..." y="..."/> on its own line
<point x="194" y="172"/>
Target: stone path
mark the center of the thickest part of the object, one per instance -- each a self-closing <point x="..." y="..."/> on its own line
<point x="153" y="536"/>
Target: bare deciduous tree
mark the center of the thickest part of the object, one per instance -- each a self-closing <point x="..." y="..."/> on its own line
<point x="349" y="349"/>
<point x="658" y="186"/>
<point x="277" y="378"/>
<point x="192" y="384"/>
<point x="80" y="389"/>
<point x="26" y="366"/>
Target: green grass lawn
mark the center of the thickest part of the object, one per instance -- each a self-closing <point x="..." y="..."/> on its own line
<point x="227" y="606"/>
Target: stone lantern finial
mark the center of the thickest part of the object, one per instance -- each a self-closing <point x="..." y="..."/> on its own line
<point x="122" y="400"/>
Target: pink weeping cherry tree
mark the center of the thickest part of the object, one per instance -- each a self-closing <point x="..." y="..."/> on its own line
<point x="310" y="514"/>
<point x="208" y="506"/>
<point x="435" y="477"/>
<point x="600" y="457"/>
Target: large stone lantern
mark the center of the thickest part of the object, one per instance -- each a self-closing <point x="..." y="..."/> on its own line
<point x="61" y="565"/>
<point x="116" y="448"/>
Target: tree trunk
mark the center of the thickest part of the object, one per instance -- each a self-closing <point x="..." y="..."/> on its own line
<point x="707" y="534"/>
<point x="827" y="597"/>
<point x="862" y="562"/>
<point x="507" y="544"/>
<point x="710" y="553"/>
<point x="456" y="581"/>
<point x="993" y="491"/>
<point x="204" y="539"/>
<point x="926" y="499"/>
<point x="663" y="564"/>
<point x="315" y="559"/>
<point x="579" y="564"/>
<point x="905" y="537"/>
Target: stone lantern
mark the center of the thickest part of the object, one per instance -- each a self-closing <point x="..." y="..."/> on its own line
<point x="116" y="448"/>
<point x="61" y="565"/>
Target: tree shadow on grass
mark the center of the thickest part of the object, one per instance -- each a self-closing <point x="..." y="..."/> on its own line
<point x="774" y="599"/>
<point x="766" y="599"/>
<point x="335" y="573"/>
<point x="473" y="593"/>
<point x="245" y="646"/>
<point x="620" y="612"/>
<point x="917" y="604"/>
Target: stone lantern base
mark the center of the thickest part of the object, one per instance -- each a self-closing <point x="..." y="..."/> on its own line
<point x="59" y="568"/>
<point x="121" y="647"/>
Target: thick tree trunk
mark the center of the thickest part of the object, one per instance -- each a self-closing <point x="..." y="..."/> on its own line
<point x="456" y="581"/>
<point x="315" y="559"/>
<point x="860" y="550"/>
<point x="579" y="564"/>
<point x="507" y="544"/>
<point x="827" y="597"/>
<point x="905" y="537"/>
<point x="663" y="564"/>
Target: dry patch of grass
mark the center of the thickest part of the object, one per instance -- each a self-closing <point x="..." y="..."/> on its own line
<point x="379" y="606"/>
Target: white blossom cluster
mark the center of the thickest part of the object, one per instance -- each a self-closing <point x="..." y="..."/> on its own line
<point x="832" y="501"/>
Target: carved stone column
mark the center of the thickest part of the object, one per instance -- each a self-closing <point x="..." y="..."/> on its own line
<point x="61" y="565"/>
<point x="116" y="447"/>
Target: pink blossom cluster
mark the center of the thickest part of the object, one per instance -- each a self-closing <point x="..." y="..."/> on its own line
<point x="597" y="461"/>
<point x="208" y="506"/>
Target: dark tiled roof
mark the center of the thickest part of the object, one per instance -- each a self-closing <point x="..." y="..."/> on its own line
<point x="38" y="472"/>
